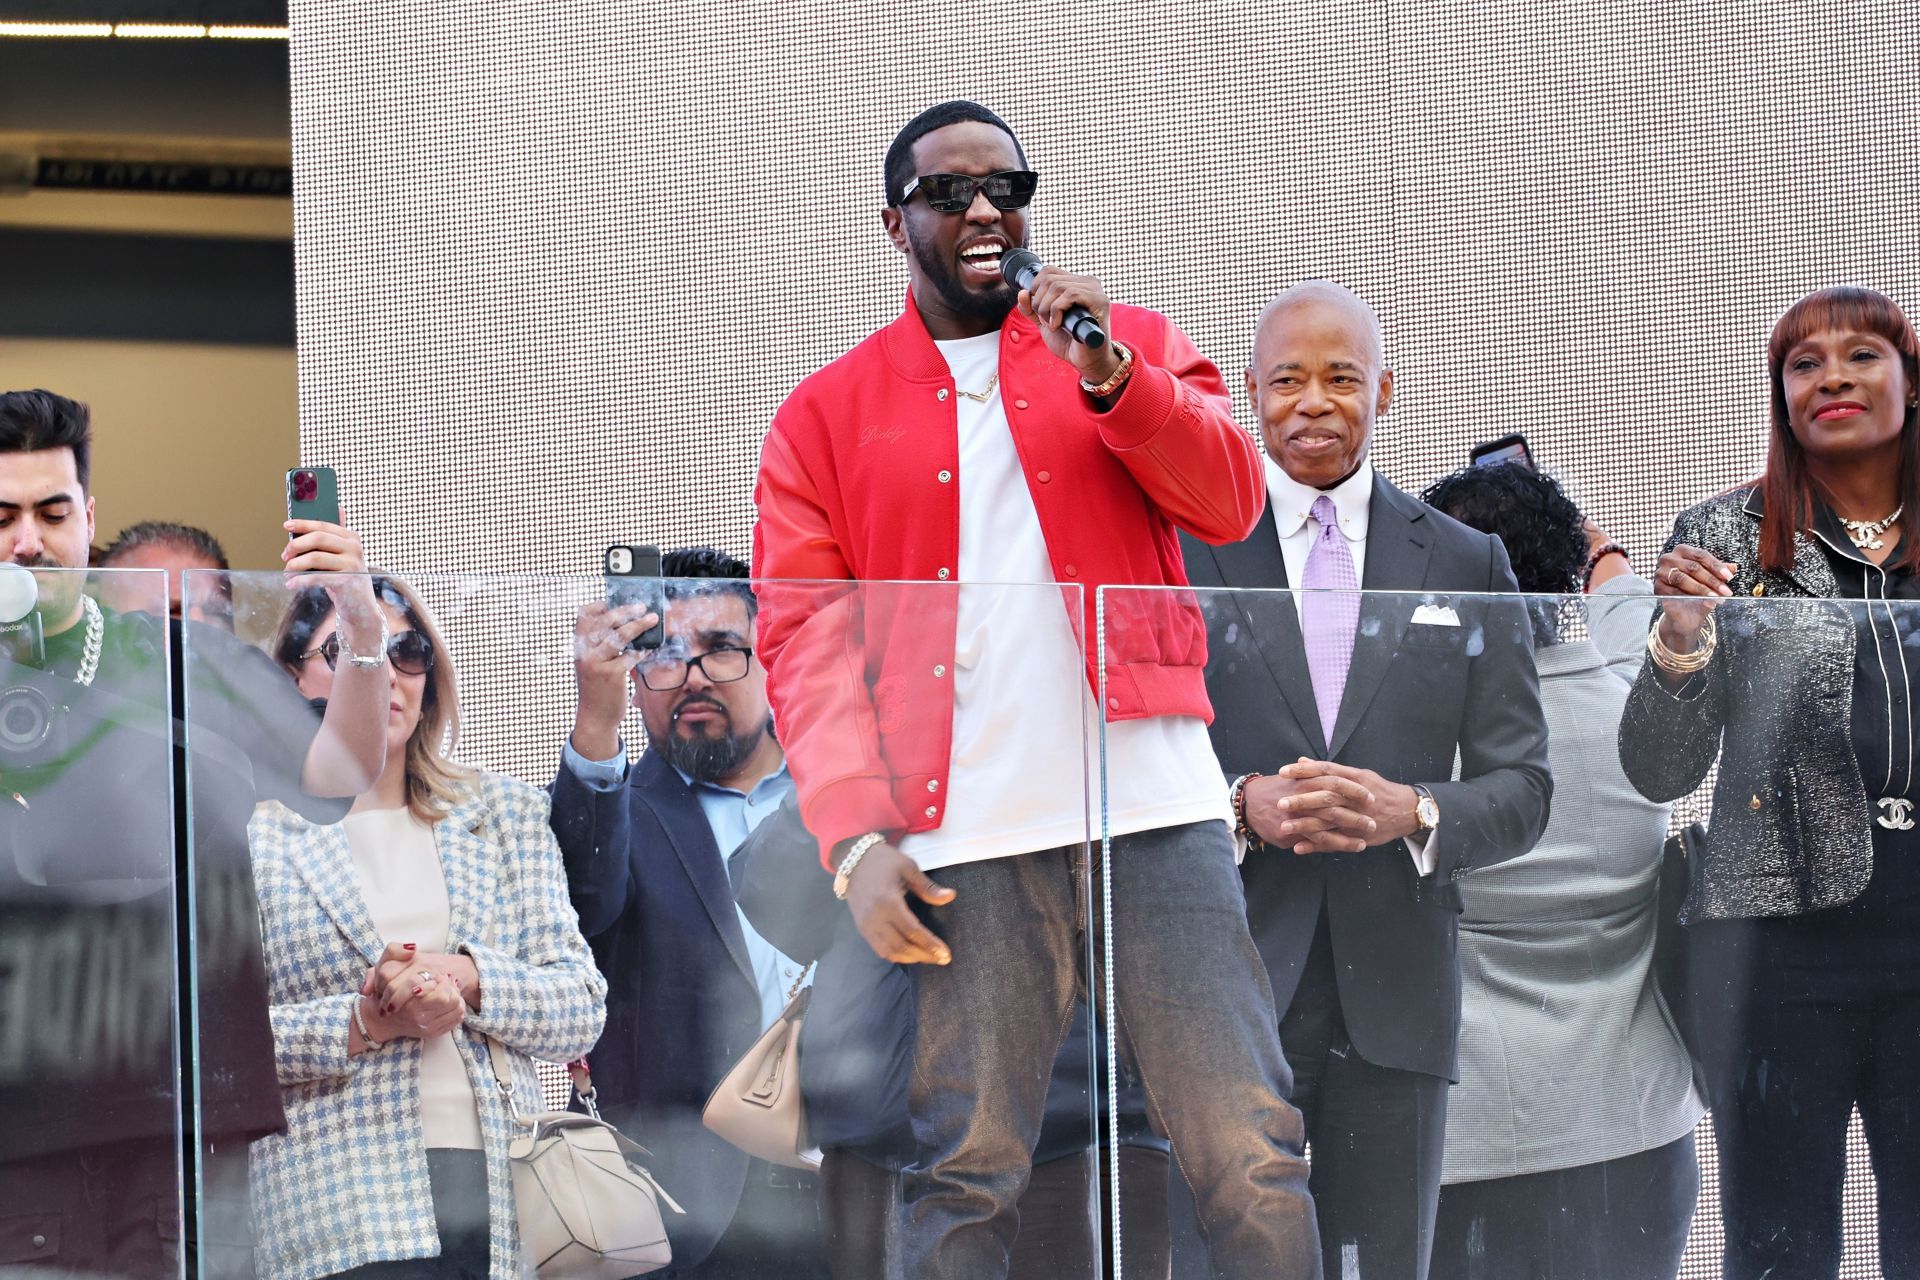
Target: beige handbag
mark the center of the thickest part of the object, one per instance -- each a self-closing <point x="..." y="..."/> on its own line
<point x="756" y="1106"/>
<point x="586" y="1207"/>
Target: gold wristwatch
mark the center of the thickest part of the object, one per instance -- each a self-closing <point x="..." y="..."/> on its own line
<point x="1426" y="811"/>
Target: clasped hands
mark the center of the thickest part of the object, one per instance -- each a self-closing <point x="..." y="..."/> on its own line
<point x="416" y="993"/>
<point x="1318" y="806"/>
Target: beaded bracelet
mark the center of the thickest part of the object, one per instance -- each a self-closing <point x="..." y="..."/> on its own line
<point x="1593" y="561"/>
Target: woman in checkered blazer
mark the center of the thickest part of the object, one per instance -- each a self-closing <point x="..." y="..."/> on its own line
<point x="398" y="940"/>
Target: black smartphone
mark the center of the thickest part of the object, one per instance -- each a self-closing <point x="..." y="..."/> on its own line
<point x="313" y="493"/>
<point x="633" y="577"/>
<point x="1511" y="448"/>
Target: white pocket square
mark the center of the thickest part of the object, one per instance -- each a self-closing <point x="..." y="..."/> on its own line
<point x="1435" y="615"/>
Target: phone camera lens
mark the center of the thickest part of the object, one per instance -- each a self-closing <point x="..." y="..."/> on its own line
<point x="305" y="486"/>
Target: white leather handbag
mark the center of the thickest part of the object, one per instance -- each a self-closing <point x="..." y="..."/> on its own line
<point x="588" y="1209"/>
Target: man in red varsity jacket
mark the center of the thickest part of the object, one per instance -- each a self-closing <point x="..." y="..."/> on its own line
<point x="973" y="440"/>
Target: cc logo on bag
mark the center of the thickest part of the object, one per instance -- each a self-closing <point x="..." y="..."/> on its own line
<point x="1896" y="813"/>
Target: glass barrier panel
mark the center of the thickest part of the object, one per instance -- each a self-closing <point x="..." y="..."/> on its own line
<point x="610" y="837"/>
<point x="1528" y="891"/>
<point x="90" y="1105"/>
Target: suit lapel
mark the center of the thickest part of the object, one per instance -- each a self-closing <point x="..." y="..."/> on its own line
<point x="1398" y="547"/>
<point x="328" y="871"/>
<point x="693" y="843"/>
<point x="1272" y="619"/>
<point x="467" y="863"/>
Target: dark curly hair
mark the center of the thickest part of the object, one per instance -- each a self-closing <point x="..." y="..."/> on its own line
<point x="1540" y="526"/>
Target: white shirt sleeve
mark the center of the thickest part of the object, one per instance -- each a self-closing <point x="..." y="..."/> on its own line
<point x="1422" y="846"/>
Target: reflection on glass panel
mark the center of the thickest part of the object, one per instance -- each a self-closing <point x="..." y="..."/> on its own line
<point x="1552" y="875"/>
<point x="89" y="1107"/>
<point x="613" y="837"/>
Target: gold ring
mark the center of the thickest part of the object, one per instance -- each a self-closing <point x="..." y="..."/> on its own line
<point x="1673" y="575"/>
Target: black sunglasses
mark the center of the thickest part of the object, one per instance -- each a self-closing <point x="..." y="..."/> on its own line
<point x="410" y="652"/>
<point x="1006" y="191"/>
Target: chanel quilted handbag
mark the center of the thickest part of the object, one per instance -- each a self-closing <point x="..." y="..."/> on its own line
<point x="756" y="1106"/>
<point x="588" y="1209"/>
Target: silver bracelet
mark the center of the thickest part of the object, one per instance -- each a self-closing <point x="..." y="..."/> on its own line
<point x="844" y="876"/>
<point x="378" y="658"/>
<point x="360" y="1023"/>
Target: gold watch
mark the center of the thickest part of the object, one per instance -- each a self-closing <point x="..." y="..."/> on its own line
<point x="1426" y="811"/>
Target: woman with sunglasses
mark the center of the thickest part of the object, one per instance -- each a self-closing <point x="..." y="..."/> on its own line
<point x="400" y="941"/>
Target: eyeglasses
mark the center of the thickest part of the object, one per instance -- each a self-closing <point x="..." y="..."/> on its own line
<point x="410" y="652"/>
<point x="722" y="666"/>
<point x="1007" y="190"/>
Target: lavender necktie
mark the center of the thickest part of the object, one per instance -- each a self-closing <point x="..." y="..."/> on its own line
<point x="1329" y="613"/>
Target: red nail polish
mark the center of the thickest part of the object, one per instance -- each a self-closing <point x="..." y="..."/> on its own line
<point x="407" y="945"/>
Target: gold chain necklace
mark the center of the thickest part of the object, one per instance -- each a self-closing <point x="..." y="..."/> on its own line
<point x="978" y="397"/>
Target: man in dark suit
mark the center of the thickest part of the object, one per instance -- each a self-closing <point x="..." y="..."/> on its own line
<point x="1338" y="720"/>
<point x="690" y="983"/>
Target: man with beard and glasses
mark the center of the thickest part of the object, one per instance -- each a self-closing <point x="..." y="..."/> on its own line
<point x="691" y="984"/>
<point x="973" y="440"/>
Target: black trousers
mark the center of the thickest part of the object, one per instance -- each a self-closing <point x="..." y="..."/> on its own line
<point x="1375" y="1136"/>
<point x="1059" y="1237"/>
<point x="459" y="1182"/>
<point x="1624" y="1219"/>
<point x="1828" y="1019"/>
<point x="775" y="1232"/>
<point x="110" y="1210"/>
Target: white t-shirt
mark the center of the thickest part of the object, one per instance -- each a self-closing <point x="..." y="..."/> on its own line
<point x="1026" y="747"/>
<point x="398" y="865"/>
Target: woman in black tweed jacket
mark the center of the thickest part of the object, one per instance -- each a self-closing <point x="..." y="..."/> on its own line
<point x="1788" y="650"/>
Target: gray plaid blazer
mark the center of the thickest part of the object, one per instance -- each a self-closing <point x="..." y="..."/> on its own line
<point x="347" y="1183"/>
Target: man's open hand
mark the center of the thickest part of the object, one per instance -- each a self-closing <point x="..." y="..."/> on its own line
<point x="877" y="895"/>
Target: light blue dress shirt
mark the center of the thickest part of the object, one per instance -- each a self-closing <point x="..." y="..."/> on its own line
<point x="731" y="815"/>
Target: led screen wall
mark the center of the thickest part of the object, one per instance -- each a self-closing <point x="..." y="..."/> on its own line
<point x="559" y="262"/>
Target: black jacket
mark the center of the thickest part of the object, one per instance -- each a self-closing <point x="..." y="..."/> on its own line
<point x="1417" y="692"/>
<point x="647" y="879"/>
<point x="1790" y="813"/>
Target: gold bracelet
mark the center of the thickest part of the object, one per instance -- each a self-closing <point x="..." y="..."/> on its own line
<point x="1685" y="664"/>
<point x="1120" y="375"/>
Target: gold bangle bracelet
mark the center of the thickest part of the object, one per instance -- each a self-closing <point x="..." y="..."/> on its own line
<point x="1685" y="664"/>
<point x="1119" y="376"/>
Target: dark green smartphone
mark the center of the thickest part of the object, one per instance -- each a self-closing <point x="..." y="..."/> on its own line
<point x="633" y="577"/>
<point x="313" y="493"/>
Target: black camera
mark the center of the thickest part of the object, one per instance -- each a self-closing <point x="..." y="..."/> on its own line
<point x="28" y="714"/>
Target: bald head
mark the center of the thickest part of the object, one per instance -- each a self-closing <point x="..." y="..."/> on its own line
<point x="1335" y="298"/>
<point x="1318" y="381"/>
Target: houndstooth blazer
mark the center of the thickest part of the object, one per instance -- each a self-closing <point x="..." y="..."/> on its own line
<point x="347" y="1183"/>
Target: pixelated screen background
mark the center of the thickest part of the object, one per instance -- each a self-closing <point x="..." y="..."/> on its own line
<point x="557" y="263"/>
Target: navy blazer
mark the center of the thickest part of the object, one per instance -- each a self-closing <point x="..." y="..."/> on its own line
<point x="651" y="888"/>
<point x="1417" y="692"/>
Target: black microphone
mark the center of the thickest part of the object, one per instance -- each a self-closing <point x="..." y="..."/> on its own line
<point x="1021" y="266"/>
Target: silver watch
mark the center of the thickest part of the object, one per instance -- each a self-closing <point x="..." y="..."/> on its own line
<point x="378" y="658"/>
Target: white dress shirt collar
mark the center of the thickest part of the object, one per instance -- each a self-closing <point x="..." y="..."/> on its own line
<point x="1293" y="501"/>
